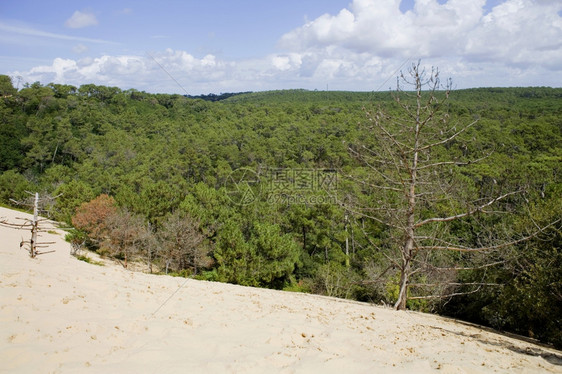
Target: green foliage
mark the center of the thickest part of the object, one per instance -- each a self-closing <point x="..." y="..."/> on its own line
<point x="392" y="290"/>
<point x="6" y="87"/>
<point x="160" y="154"/>
<point x="210" y="276"/>
<point x="334" y="279"/>
<point x="159" y="198"/>
<point x="76" y="236"/>
<point x="70" y="196"/>
<point x="529" y="301"/>
<point x="12" y="131"/>
<point x="89" y="260"/>
<point x="267" y="258"/>
<point x="304" y="286"/>
<point x="233" y="256"/>
<point x="13" y="186"/>
<point x="277" y="255"/>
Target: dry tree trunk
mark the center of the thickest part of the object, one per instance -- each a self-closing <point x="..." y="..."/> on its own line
<point x="410" y="182"/>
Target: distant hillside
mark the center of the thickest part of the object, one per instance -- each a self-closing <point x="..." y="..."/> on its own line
<point x="215" y="97"/>
<point x="306" y="96"/>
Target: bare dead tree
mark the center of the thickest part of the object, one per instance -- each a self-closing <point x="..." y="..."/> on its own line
<point x="181" y="242"/>
<point x="32" y="245"/>
<point x="128" y="235"/>
<point x="414" y="182"/>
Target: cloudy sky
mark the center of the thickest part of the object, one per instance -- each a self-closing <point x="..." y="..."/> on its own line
<point x="213" y="46"/>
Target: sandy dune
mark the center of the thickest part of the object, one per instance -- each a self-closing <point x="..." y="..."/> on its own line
<point x="61" y="315"/>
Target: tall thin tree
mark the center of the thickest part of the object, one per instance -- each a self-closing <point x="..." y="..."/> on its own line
<point x="415" y="182"/>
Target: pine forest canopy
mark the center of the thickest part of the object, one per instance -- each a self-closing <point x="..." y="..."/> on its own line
<point x="324" y="207"/>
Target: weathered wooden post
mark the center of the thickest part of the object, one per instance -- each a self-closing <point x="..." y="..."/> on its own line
<point x="34" y="226"/>
<point x="347" y="262"/>
<point x="34" y="223"/>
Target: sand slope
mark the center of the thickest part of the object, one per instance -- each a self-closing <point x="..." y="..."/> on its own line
<point x="61" y="315"/>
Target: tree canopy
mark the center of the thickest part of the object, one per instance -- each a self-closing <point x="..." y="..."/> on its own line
<point x="164" y="164"/>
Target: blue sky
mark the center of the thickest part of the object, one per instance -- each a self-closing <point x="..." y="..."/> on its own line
<point x="224" y="45"/>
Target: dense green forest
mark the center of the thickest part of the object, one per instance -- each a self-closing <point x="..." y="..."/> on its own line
<point x="266" y="189"/>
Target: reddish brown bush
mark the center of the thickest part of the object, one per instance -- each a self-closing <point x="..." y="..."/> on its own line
<point x="91" y="217"/>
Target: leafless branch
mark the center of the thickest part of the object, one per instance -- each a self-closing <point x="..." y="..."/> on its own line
<point x="453" y="284"/>
<point x="456" y="163"/>
<point x="362" y="214"/>
<point x="444" y="296"/>
<point x="492" y="247"/>
<point x="447" y="140"/>
<point x="469" y="213"/>
<point x="454" y="268"/>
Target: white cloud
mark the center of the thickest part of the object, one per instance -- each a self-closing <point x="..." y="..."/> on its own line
<point x="103" y="70"/>
<point x="81" y="19"/>
<point x="80" y="48"/>
<point x="514" y="32"/>
<point x="516" y="43"/>
<point x="286" y="62"/>
<point x="338" y="68"/>
<point x="57" y="71"/>
<point x="130" y="71"/>
<point x="519" y="32"/>
<point x="209" y="60"/>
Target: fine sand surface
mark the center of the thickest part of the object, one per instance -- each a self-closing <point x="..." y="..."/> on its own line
<point x="62" y="315"/>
